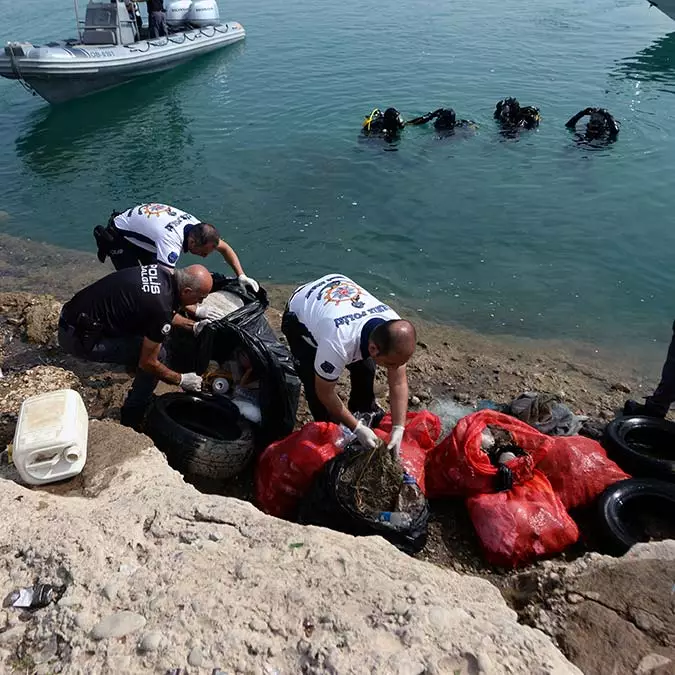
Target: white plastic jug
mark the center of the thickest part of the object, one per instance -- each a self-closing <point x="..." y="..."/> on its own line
<point x="50" y="442"/>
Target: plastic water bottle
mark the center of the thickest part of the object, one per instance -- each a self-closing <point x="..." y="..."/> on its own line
<point x="347" y="437"/>
<point x="409" y="495"/>
<point x="396" y="519"/>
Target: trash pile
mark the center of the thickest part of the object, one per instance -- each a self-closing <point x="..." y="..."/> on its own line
<point x="519" y="484"/>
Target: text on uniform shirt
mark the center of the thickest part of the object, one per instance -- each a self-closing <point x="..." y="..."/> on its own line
<point x="149" y="280"/>
<point x="345" y="320"/>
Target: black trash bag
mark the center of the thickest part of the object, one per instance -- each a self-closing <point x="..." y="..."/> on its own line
<point x="334" y="498"/>
<point x="272" y="363"/>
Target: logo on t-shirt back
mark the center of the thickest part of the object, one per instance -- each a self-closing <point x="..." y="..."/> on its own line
<point x="338" y="292"/>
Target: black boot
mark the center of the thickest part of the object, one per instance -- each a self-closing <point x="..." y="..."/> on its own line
<point x="631" y="408"/>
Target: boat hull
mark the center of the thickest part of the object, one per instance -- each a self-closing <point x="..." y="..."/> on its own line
<point x="666" y="6"/>
<point x="63" y="71"/>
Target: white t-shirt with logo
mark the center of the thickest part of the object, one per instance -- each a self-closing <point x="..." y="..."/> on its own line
<point x="334" y="309"/>
<point x="157" y="228"/>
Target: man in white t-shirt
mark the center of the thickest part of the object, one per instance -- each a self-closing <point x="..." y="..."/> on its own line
<point x="158" y="233"/>
<point x="332" y="324"/>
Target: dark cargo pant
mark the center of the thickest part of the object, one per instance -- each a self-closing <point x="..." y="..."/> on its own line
<point x="664" y="395"/>
<point x="123" y="351"/>
<point x="157" y="24"/>
<point x="361" y="373"/>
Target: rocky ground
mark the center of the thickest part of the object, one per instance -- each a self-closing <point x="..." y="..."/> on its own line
<point x="561" y="598"/>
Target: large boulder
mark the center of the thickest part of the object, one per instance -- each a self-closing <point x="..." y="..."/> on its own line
<point x="160" y="576"/>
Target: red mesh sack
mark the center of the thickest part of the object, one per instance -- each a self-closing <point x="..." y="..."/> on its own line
<point x="422" y="428"/>
<point x="458" y="467"/>
<point x="527" y="522"/>
<point x="579" y="470"/>
<point x="287" y="467"/>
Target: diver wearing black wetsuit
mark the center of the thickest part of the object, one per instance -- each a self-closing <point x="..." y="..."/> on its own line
<point x="601" y="125"/>
<point x="445" y="120"/>
<point x="387" y="124"/>
<point x="512" y="116"/>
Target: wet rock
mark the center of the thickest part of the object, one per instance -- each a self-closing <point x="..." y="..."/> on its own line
<point x="414" y="400"/>
<point x="117" y="625"/>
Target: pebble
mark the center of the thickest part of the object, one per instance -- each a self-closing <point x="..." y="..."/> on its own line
<point x="83" y="620"/>
<point x="188" y="537"/>
<point x="620" y="386"/>
<point x="651" y="662"/>
<point x="195" y="657"/>
<point x="150" y="642"/>
<point x="414" y="400"/>
<point x="574" y="598"/>
<point x="117" y="625"/>
<point x="110" y="591"/>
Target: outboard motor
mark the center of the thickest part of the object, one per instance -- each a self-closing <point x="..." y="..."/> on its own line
<point x="177" y="12"/>
<point x="204" y="13"/>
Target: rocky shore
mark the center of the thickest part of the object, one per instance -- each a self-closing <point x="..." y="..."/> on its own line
<point x="161" y="576"/>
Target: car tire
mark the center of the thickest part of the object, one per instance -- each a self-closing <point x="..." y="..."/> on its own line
<point x="624" y="508"/>
<point x="201" y="436"/>
<point x="642" y="446"/>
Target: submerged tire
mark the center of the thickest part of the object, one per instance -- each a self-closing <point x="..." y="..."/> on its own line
<point x="642" y="446"/>
<point x="201" y="436"/>
<point x="635" y="510"/>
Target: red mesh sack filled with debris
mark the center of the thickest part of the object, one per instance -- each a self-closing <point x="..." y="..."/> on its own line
<point x="287" y="467"/>
<point x="518" y="525"/>
<point x="459" y="466"/>
<point x="579" y="470"/>
<point x="423" y="428"/>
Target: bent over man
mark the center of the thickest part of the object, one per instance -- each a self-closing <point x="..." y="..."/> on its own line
<point x="159" y="233"/>
<point x="124" y="319"/>
<point x="332" y="324"/>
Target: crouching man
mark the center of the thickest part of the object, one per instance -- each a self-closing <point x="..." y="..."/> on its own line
<point x="332" y="324"/>
<point x="124" y="319"/>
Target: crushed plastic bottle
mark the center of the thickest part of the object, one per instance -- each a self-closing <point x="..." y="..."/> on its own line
<point x="396" y="519"/>
<point x="409" y="496"/>
<point x="347" y="437"/>
<point x="34" y="597"/>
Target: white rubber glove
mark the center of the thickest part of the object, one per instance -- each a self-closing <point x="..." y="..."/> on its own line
<point x="367" y="437"/>
<point x="198" y="327"/>
<point x="245" y="282"/>
<point x="394" y="445"/>
<point x="191" y="382"/>
<point x="204" y="312"/>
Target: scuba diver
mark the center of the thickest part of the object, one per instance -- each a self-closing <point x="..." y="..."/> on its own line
<point x="445" y="121"/>
<point x="512" y="116"/>
<point x="387" y="124"/>
<point x="601" y="126"/>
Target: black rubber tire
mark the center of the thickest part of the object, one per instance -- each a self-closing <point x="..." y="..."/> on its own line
<point x="618" y="503"/>
<point x="642" y="446"/>
<point x="201" y="436"/>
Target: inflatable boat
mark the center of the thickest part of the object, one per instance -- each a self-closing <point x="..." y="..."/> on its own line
<point x="666" y="6"/>
<point x="113" y="48"/>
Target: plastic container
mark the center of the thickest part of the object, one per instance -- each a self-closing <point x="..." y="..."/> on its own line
<point x="50" y="442"/>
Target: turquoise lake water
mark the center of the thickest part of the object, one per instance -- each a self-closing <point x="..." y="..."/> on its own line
<point x="535" y="236"/>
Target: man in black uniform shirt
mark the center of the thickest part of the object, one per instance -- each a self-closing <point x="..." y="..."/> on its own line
<point x="124" y="318"/>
